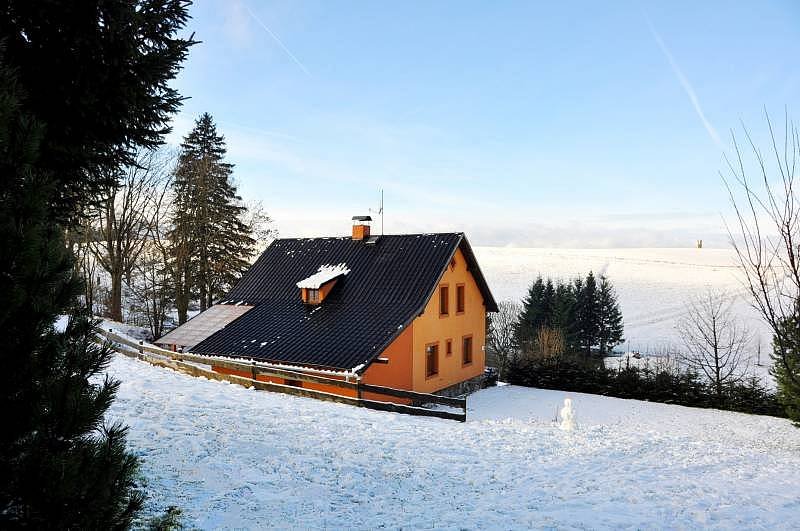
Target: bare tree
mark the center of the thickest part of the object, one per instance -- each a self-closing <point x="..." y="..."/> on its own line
<point x="767" y="242"/>
<point x="549" y="342"/>
<point x="152" y="285"/>
<point x="714" y="340"/>
<point x="123" y="221"/>
<point x="260" y="224"/>
<point x="78" y="241"/>
<point x="87" y="269"/>
<point x="501" y="340"/>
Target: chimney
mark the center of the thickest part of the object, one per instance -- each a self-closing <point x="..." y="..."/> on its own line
<point x="361" y="227"/>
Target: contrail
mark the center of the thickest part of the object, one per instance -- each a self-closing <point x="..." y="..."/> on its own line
<point x="685" y="84"/>
<point x="276" y="39"/>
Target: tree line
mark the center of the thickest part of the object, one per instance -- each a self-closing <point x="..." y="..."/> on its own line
<point x="710" y="368"/>
<point x="171" y="230"/>
<point x="581" y="315"/>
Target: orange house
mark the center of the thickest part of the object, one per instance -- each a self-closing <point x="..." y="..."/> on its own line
<point x="403" y="311"/>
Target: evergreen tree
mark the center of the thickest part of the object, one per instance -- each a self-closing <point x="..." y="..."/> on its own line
<point x="211" y="244"/>
<point x="564" y="314"/>
<point x="532" y="316"/>
<point x="97" y="78"/>
<point x="548" y="303"/>
<point x="587" y="311"/>
<point x="61" y="466"/>
<point x="609" y="318"/>
<point x="786" y="367"/>
<point x="81" y="84"/>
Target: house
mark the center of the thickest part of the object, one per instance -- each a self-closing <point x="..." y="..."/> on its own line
<point x="402" y="311"/>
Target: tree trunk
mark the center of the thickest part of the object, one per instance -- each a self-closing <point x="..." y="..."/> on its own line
<point x="115" y="311"/>
<point x="203" y="284"/>
<point x="182" y="304"/>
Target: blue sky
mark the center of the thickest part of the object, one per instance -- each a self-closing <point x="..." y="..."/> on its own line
<point x="569" y="124"/>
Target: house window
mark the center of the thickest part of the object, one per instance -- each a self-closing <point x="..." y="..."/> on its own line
<point x="431" y="360"/>
<point x="460" y="298"/>
<point x="449" y="347"/>
<point x="466" y="350"/>
<point x="313" y="296"/>
<point x="444" y="300"/>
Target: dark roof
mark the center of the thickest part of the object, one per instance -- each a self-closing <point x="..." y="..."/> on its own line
<point x="388" y="286"/>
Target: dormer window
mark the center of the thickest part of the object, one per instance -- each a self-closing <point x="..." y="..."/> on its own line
<point x="315" y="288"/>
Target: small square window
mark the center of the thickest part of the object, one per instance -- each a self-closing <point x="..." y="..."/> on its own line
<point x="313" y="295"/>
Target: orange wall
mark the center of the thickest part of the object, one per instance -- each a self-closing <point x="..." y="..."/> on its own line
<point x="398" y="372"/>
<point x="430" y="327"/>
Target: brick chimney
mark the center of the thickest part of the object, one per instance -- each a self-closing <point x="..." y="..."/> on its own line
<point x="361" y="227"/>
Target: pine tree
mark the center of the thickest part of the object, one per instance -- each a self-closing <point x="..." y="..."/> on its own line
<point x="62" y="467"/>
<point x="786" y="367"/>
<point x="587" y="311"/>
<point x="211" y="245"/>
<point x="610" y="328"/>
<point x="81" y="84"/>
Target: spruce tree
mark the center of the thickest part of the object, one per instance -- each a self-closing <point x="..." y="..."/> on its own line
<point x="211" y="244"/>
<point x="610" y="328"/>
<point x="97" y="78"/>
<point x="533" y="314"/>
<point x="587" y="311"/>
<point x="564" y="314"/>
<point x="548" y="303"/>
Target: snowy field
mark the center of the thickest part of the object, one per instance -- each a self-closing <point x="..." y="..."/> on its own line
<point x="237" y="458"/>
<point x="653" y="285"/>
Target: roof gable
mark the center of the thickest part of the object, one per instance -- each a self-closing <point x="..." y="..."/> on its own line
<point x="388" y="284"/>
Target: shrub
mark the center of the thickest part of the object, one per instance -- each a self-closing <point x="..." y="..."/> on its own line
<point x="664" y="383"/>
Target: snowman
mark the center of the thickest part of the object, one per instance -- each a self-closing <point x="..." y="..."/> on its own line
<point x="567" y="416"/>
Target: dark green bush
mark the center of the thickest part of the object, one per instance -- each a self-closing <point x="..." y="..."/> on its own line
<point x="669" y="385"/>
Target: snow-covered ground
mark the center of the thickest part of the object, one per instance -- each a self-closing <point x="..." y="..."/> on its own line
<point x="237" y="458"/>
<point x="653" y="285"/>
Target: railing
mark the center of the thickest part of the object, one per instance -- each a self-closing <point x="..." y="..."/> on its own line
<point x="183" y="362"/>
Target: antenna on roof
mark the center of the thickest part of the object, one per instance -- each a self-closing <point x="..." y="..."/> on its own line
<point x="379" y="211"/>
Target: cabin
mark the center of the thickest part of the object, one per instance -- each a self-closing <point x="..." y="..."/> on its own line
<point x="402" y="311"/>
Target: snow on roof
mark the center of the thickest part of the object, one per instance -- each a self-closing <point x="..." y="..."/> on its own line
<point x="325" y="274"/>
